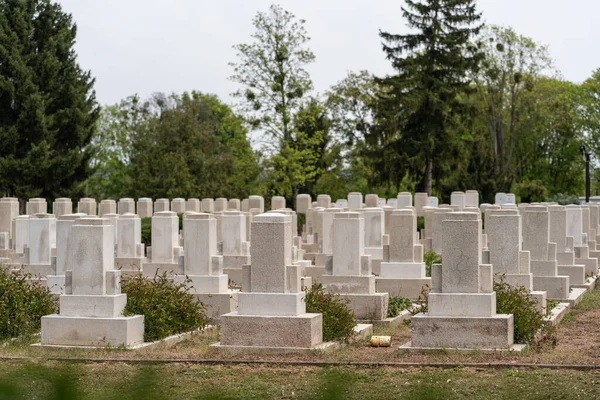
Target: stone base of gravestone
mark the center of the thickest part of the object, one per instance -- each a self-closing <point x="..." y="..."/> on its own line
<point x="218" y="304"/>
<point x="493" y="332"/>
<point x="359" y="291"/>
<point x="92" y="331"/>
<point x="56" y="283"/>
<point x="576" y="273"/>
<point x="303" y="331"/>
<point x="410" y="288"/>
<point x="130" y="264"/>
<point x="556" y="287"/>
<point x="232" y="267"/>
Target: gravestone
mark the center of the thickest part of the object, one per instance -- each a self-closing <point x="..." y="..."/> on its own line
<point x="91" y="310"/>
<point x="87" y="206"/>
<point x="130" y="249"/>
<point x="351" y="271"/>
<point x="236" y="247"/>
<point x="144" y="207"/>
<point x="403" y="273"/>
<point x="62" y="206"/>
<point x="536" y="239"/>
<point x="126" y="206"/>
<point x="462" y="304"/>
<point x="107" y="207"/>
<point x="271" y="308"/>
<point x="203" y="266"/>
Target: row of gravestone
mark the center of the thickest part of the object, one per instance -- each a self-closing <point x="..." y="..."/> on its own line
<point x="461" y="300"/>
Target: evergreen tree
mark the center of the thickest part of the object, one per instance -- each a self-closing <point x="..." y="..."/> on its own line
<point x="434" y="64"/>
<point x="47" y="103"/>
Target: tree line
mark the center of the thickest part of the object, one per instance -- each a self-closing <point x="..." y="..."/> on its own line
<point x="468" y="107"/>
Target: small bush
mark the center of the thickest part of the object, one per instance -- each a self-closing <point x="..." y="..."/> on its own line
<point x="420" y="223"/>
<point x="397" y="304"/>
<point x="338" y="319"/>
<point x="168" y="307"/>
<point x="430" y="258"/>
<point x="422" y="301"/>
<point x="519" y="302"/>
<point x="147" y="231"/>
<point x="565" y="199"/>
<point x="23" y="303"/>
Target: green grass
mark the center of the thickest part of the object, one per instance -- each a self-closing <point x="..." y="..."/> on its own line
<point x="590" y="301"/>
<point x="48" y="380"/>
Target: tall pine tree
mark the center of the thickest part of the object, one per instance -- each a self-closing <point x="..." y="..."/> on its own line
<point x="48" y="108"/>
<point x="434" y="64"/>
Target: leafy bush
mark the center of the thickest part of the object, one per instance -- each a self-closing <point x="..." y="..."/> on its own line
<point x="430" y="258"/>
<point x="23" y="303"/>
<point x="519" y="302"/>
<point x="530" y="191"/>
<point x="168" y="307"/>
<point x="338" y="319"/>
<point x="420" y="223"/>
<point x="396" y="305"/>
<point x="565" y="199"/>
<point x="147" y="231"/>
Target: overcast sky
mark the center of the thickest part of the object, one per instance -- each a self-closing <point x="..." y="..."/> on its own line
<point x="146" y="46"/>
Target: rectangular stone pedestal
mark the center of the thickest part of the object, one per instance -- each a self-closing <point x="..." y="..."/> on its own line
<point x="218" y="304"/>
<point x="368" y="307"/>
<point x="495" y="332"/>
<point x="234" y="276"/>
<point x="556" y="287"/>
<point x="591" y="265"/>
<point x="56" y="283"/>
<point x="405" y="287"/>
<point x="302" y="331"/>
<point x="83" y="331"/>
<point x="150" y="269"/>
<point x="576" y="273"/>
<point x="129" y="264"/>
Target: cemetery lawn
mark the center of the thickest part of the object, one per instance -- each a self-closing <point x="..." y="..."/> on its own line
<point x="191" y="381"/>
<point x="119" y="374"/>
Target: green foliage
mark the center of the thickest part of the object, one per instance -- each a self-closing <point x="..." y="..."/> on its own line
<point x="420" y="223"/>
<point x="564" y="199"/>
<point x="430" y="258"/>
<point x="147" y="231"/>
<point x="23" y="302"/>
<point x="434" y="67"/>
<point x="48" y="106"/>
<point x="519" y="302"/>
<point x="397" y="304"/>
<point x="338" y="319"/>
<point x="190" y="145"/>
<point x="271" y="73"/>
<point x="168" y="307"/>
<point x="530" y="191"/>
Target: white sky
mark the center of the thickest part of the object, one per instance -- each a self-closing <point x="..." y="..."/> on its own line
<point x="146" y="46"/>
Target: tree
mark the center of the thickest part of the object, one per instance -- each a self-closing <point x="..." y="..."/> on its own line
<point x="48" y="108"/>
<point x="434" y="65"/>
<point x="274" y="85"/>
<point x="190" y="145"/>
<point x="112" y="147"/>
<point x="271" y="72"/>
<point x="307" y="156"/>
<point x="511" y="70"/>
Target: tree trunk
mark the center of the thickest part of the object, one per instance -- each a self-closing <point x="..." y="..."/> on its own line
<point x="428" y="181"/>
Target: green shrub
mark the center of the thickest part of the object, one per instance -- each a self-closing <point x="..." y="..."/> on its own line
<point x="420" y="223"/>
<point x="23" y="303"/>
<point x="397" y="304"/>
<point x="430" y="258"/>
<point x="147" y="231"/>
<point x="565" y="199"/>
<point x="338" y="319"/>
<point x="168" y="307"/>
<point x="519" y="302"/>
